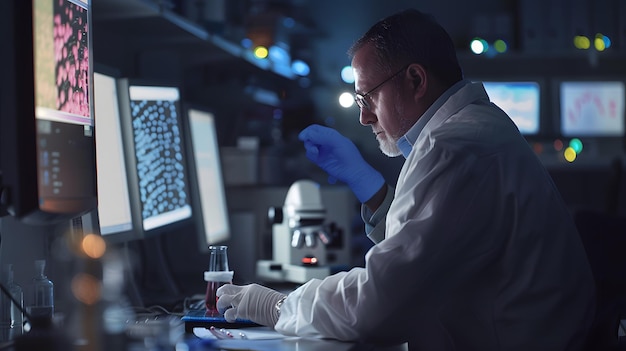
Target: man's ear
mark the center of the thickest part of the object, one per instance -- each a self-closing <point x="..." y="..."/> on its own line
<point x="417" y="75"/>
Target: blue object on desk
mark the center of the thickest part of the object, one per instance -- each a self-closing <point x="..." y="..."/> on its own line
<point x="199" y="318"/>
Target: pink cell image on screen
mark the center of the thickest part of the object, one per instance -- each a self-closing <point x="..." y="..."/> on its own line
<point x="72" y="58"/>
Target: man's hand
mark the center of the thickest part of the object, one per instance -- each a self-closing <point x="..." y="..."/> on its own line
<point x="339" y="157"/>
<point x="253" y="302"/>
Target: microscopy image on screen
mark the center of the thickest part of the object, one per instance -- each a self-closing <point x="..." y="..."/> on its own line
<point x="592" y="108"/>
<point x="159" y="151"/>
<point x="71" y="57"/>
<point x="62" y="58"/>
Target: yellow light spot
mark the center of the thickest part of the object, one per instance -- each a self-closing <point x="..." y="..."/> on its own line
<point x="86" y="288"/>
<point x="261" y="52"/>
<point x="599" y="44"/>
<point x="93" y="245"/>
<point x="582" y="42"/>
<point x="570" y="154"/>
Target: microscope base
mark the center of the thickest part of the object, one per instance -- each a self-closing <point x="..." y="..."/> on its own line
<point x="281" y="272"/>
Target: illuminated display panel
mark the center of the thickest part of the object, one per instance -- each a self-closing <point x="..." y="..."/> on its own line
<point x="115" y="216"/>
<point x="213" y="222"/>
<point x="153" y="122"/>
<point x="520" y="100"/>
<point x="591" y="108"/>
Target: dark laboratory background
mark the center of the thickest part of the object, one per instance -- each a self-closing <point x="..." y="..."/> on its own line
<point x="205" y="47"/>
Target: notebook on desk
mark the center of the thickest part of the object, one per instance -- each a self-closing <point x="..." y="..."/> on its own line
<point x="199" y="318"/>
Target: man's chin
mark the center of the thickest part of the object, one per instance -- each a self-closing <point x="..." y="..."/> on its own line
<point x="389" y="150"/>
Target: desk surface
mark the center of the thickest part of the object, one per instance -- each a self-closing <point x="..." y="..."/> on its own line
<point x="265" y="339"/>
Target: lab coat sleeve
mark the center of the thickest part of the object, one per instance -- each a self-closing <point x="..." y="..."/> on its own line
<point x="375" y="222"/>
<point x="436" y="237"/>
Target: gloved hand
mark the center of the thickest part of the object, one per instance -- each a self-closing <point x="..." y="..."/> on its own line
<point x="253" y="302"/>
<point x="339" y="157"/>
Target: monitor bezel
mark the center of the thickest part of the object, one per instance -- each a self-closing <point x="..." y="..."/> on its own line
<point x="203" y="241"/>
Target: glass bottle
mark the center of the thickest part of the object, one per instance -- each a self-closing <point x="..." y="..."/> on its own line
<point x="43" y="293"/>
<point x="12" y="319"/>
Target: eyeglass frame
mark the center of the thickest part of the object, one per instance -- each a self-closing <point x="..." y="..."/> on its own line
<point x="361" y="99"/>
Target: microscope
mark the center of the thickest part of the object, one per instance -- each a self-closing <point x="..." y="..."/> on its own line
<point x="299" y="237"/>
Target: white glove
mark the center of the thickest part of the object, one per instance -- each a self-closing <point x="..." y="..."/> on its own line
<point x="253" y="302"/>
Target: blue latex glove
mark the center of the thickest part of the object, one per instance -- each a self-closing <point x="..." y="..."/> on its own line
<point x="339" y="157"/>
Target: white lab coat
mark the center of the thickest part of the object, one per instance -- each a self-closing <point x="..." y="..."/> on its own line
<point x="480" y="253"/>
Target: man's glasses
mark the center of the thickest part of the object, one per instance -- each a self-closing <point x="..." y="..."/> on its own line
<point x="361" y="99"/>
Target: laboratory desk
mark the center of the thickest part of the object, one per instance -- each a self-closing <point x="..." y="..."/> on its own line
<point x="264" y="339"/>
<point x="303" y="344"/>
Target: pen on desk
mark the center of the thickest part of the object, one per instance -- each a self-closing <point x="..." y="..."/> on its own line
<point x="220" y="334"/>
<point x="227" y="332"/>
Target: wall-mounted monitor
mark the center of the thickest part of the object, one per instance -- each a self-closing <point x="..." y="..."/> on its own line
<point x="208" y="183"/>
<point x="117" y="220"/>
<point x="591" y="108"/>
<point x="153" y="128"/>
<point x="47" y="146"/>
<point x="521" y="100"/>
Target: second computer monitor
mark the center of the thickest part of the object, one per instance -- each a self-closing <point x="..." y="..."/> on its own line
<point x="213" y="222"/>
<point x="520" y="100"/>
<point x="153" y="124"/>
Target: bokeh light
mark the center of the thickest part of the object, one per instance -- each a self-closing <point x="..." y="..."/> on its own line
<point x="86" y="288"/>
<point x="479" y="46"/>
<point x="500" y="46"/>
<point x="93" y="246"/>
<point x="346" y="100"/>
<point x="300" y="68"/>
<point x="576" y="145"/>
<point x="347" y="74"/>
<point x="582" y="42"/>
<point x="569" y="154"/>
<point x="261" y="52"/>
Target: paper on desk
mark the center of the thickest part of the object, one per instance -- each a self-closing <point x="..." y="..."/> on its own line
<point x="251" y="333"/>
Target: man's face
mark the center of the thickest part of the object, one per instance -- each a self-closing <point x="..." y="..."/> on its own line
<point x="392" y="109"/>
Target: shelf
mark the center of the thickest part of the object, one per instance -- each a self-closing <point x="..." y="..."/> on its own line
<point x="135" y="26"/>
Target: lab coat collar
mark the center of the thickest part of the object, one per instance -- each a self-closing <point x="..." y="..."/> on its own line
<point x="442" y="108"/>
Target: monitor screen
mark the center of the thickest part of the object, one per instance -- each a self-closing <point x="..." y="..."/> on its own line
<point x="154" y="125"/>
<point x="115" y="216"/>
<point x="214" y="220"/>
<point x="592" y="108"/>
<point x="48" y="145"/>
<point x="520" y="100"/>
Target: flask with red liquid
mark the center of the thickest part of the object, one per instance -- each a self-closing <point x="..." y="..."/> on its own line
<point x="217" y="275"/>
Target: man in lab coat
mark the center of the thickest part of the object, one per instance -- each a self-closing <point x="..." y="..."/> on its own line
<point x="475" y="249"/>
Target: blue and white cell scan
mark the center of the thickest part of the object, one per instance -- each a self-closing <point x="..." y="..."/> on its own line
<point x="159" y="150"/>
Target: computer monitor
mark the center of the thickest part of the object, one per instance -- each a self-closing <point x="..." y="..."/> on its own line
<point x="207" y="177"/>
<point x="47" y="146"/>
<point x="521" y="100"/>
<point x="591" y="108"/>
<point x="117" y="220"/>
<point x="153" y="128"/>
